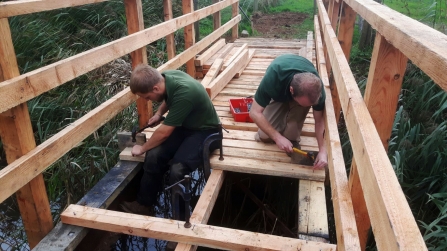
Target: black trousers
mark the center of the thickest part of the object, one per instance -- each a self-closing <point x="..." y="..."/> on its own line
<point x="181" y="153"/>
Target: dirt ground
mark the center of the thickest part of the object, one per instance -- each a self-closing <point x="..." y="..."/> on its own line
<point x="279" y="25"/>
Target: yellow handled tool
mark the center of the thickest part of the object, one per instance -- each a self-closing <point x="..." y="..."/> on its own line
<point x="310" y="155"/>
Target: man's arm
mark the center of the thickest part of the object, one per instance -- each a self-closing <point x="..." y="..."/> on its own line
<point x="158" y="137"/>
<point x="321" y="160"/>
<point x="258" y="117"/>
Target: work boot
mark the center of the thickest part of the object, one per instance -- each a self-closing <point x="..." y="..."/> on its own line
<point x="171" y="245"/>
<point x="134" y="207"/>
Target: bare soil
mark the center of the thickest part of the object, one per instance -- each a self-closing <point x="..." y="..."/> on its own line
<point x="279" y="25"/>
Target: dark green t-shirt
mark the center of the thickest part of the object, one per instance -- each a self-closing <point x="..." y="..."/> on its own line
<point x="276" y="82"/>
<point x="188" y="102"/>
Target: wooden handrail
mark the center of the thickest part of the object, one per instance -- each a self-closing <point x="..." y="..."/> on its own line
<point x="393" y="223"/>
<point x="345" y="224"/>
<point x="424" y="46"/>
<point x="21" y="171"/>
<point x="27" y="86"/>
<point x="15" y="8"/>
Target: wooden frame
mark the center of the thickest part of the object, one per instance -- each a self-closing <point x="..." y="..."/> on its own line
<point x="27" y="86"/>
<point x="36" y="161"/>
<point x="17" y="137"/>
<point x="170" y="43"/>
<point x="391" y="217"/>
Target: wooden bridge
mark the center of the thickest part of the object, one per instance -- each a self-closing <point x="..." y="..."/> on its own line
<point x="371" y="197"/>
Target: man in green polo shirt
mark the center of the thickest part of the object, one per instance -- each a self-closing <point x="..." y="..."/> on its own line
<point x="175" y="145"/>
<point x="290" y="86"/>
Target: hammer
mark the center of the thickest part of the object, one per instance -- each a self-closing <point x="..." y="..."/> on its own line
<point x="309" y="155"/>
<point x="135" y="130"/>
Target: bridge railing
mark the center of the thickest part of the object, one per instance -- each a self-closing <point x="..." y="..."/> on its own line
<point x="26" y="161"/>
<point x="377" y="198"/>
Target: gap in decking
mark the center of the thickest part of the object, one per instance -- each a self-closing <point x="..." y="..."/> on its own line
<point x="233" y="209"/>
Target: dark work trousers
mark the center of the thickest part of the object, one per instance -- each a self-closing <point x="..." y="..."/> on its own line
<point x="181" y="153"/>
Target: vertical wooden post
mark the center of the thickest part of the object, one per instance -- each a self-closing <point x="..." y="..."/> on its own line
<point x="187" y="6"/>
<point x="385" y="78"/>
<point x="217" y="18"/>
<point x="135" y="23"/>
<point x="235" y="12"/>
<point x="345" y="34"/>
<point x="18" y="139"/>
<point x="346" y="29"/>
<point x="170" y="44"/>
<point x="335" y="14"/>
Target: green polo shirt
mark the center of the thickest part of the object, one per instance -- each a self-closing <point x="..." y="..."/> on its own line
<point x="276" y="82"/>
<point x="188" y="102"/>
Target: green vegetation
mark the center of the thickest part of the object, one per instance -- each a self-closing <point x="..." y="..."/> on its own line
<point x="430" y="12"/>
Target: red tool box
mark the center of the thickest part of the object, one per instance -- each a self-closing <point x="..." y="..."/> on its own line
<point x="240" y="109"/>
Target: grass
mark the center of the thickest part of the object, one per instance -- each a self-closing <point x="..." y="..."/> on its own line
<point x="430" y="12"/>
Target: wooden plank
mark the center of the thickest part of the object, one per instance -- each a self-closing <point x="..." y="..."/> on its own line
<point x="263" y="167"/>
<point x="170" y="42"/>
<point x="189" y="33"/>
<point x="208" y="53"/>
<point x="17" y="138"/>
<point x="251" y="53"/>
<point x="424" y="46"/>
<point x="309" y="45"/>
<point x="15" y="8"/>
<point x="212" y="73"/>
<point x="135" y="23"/>
<point x="392" y="220"/>
<point x="221" y="53"/>
<point x="181" y="58"/>
<point x="219" y="83"/>
<point x="384" y="84"/>
<point x="205" y="205"/>
<point x="27" y="86"/>
<point x="166" y="229"/>
<point x="335" y="14"/>
<point x="67" y="237"/>
<point x="230" y="58"/>
<point x="312" y="213"/>
<point x="345" y="223"/>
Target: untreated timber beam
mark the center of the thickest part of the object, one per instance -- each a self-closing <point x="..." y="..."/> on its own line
<point x="200" y="60"/>
<point x="37" y="160"/>
<point x="27" y="86"/>
<point x="345" y="223"/>
<point x="15" y="8"/>
<point x="424" y="46"/>
<point x="219" y="83"/>
<point x="199" y="234"/>
<point x="393" y="223"/>
<point x="244" y="165"/>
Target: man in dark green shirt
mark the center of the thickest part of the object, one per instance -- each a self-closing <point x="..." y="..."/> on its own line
<point x="290" y="86"/>
<point x="177" y="144"/>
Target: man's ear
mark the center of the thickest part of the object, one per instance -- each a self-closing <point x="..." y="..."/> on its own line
<point x="291" y="90"/>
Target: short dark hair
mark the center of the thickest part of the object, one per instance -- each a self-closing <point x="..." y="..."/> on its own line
<point x="306" y="84"/>
<point x="144" y="78"/>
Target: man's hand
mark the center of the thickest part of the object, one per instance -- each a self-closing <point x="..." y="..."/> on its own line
<point x="137" y="150"/>
<point x="320" y="161"/>
<point x="155" y="120"/>
<point x="284" y="144"/>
